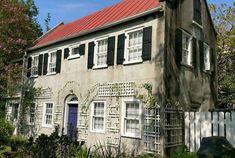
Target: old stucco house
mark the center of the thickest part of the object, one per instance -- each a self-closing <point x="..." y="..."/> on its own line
<point x="112" y="74"/>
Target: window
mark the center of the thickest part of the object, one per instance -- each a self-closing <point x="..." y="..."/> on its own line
<point x="98" y="117"/>
<point x="187" y="49"/>
<point x="132" y="119"/>
<point x="197" y="11"/>
<point x="74" y="51"/>
<point x="32" y="113"/>
<point x="101" y="53"/>
<point x="52" y="62"/>
<point x="134" y="46"/>
<point x="15" y="111"/>
<point x="34" y="69"/>
<point x="206" y="57"/>
<point x="48" y="115"/>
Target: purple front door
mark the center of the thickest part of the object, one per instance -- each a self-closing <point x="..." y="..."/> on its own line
<point x="72" y="120"/>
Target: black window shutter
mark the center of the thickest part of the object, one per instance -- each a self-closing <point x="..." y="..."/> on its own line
<point x="40" y="64"/>
<point x="111" y="49"/>
<point x="29" y="66"/>
<point x="90" y="62"/>
<point x="45" y="64"/>
<point x="147" y="43"/>
<point x="58" y="60"/>
<point x="194" y="52"/>
<point x="120" y="49"/>
<point x="82" y="49"/>
<point x="201" y="52"/>
<point x="178" y="46"/>
<point x="66" y="53"/>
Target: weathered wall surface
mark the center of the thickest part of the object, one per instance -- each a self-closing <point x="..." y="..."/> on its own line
<point x="193" y="88"/>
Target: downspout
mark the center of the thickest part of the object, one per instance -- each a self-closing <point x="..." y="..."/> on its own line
<point x="21" y="92"/>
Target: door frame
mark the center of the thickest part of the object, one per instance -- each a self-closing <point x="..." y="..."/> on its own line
<point x="67" y="112"/>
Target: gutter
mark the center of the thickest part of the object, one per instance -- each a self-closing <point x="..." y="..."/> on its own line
<point x="159" y="8"/>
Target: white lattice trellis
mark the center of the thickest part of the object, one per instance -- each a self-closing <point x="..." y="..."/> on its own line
<point x="116" y="89"/>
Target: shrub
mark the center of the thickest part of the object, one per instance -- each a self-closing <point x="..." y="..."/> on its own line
<point x="182" y="152"/>
<point x="6" y="130"/>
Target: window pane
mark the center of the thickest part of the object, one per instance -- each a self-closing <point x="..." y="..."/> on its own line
<point x="101" y="55"/>
<point x="98" y="116"/>
<point x="134" y="49"/>
<point x="48" y="113"/>
<point x="75" y="50"/>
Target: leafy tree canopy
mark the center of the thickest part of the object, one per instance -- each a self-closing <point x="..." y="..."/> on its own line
<point x="224" y="21"/>
<point x="18" y="30"/>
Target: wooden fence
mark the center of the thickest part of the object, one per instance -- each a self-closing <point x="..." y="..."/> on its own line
<point x="205" y="124"/>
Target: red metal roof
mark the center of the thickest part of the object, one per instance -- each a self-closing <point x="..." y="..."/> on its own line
<point x="106" y="16"/>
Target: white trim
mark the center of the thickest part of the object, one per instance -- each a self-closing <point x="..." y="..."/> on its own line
<point x="67" y="114"/>
<point x="131" y="100"/>
<point x="126" y="62"/>
<point x="31" y="71"/>
<point x="206" y="54"/>
<point x="197" y="24"/>
<point x="71" y="47"/>
<point x="48" y="61"/>
<point x="189" y="60"/>
<point x="91" y="117"/>
<point x="43" y="115"/>
<point x="96" y="51"/>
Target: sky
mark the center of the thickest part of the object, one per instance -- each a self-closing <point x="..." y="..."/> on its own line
<point x="69" y="10"/>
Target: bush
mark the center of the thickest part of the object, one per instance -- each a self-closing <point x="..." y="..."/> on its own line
<point x="182" y="152"/>
<point x="6" y="130"/>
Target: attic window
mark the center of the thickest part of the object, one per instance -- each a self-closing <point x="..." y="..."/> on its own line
<point x="197" y="12"/>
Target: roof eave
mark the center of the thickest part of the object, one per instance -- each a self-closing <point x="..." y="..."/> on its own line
<point x="159" y="8"/>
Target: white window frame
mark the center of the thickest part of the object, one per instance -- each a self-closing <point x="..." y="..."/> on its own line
<point x="29" y="114"/>
<point x="123" y="124"/>
<point x="96" y="66"/>
<point x="189" y="58"/>
<point x="49" y="72"/>
<point x="207" y="57"/>
<point x="71" y="48"/>
<point x="33" y="67"/>
<point x="44" y="115"/>
<point x="92" y="117"/>
<point x="126" y="50"/>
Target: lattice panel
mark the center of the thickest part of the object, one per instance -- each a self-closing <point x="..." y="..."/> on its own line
<point x="116" y="89"/>
<point x="152" y="130"/>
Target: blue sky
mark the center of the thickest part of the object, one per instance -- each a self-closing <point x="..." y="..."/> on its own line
<point x="70" y="10"/>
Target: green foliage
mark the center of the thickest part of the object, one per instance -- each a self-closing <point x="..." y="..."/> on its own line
<point x="224" y="21"/>
<point x="6" y="130"/>
<point x="182" y="152"/>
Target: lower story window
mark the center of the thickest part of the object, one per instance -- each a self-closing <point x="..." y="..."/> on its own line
<point x="48" y="113"/>
<point x="132" y="119"/>
<point x="98" y="116"/>
<point x="32" y="113"/>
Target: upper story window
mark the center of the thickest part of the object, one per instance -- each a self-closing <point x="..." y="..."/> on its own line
<point x="187" y="49"/>
<point x="98" y="116"/>
<point x="52" y="62"/>
<point x="48" y="114"/>
<point x="197" y="11"/>
<point x="74" y="51"/>
<point x="134" y="44"/>
<point x="34" y="68"/>
<point x="132" y="119"/>
<point x="101" y="53"/>
<point x="207" y="61"/>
